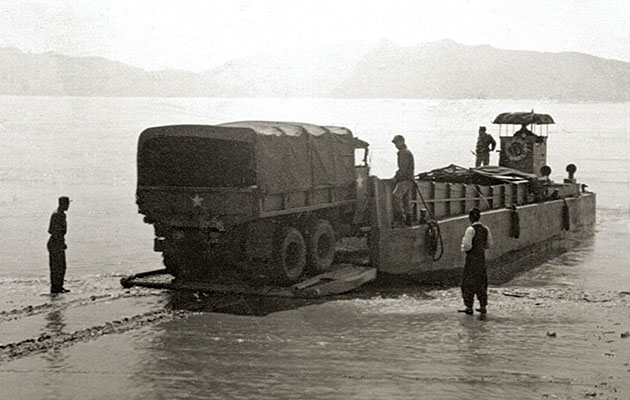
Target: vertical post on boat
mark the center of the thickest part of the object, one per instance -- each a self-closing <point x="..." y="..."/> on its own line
<point x="478" y="196"/>
<point x="447" y="199"/>
<point x="432" y="198"/>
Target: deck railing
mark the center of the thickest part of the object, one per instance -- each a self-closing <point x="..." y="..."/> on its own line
<point x="444" y="200"/>
<point x="451" y="199"/>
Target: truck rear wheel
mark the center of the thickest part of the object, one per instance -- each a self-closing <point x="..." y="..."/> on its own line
<point x="321" y="246"/>
<point x="290" y="254"/>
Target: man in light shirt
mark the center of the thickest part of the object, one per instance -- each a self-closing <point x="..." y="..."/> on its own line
<point x="477" y="239"/>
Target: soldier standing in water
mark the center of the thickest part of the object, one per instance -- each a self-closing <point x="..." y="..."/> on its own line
<point x="57" y="246"/>
<point x="477" y="239"/>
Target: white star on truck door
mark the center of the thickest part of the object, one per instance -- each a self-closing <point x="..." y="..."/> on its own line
<point x="360" y="182"/>
<point x="197" y="200"/>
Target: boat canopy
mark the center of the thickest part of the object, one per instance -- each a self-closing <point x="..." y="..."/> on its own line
<point x="523" y="118"/>
<point x="486" y="175"/>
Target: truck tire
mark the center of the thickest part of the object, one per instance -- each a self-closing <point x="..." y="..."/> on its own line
<point x="290" y="254"/>
<point x="321" y="246"/>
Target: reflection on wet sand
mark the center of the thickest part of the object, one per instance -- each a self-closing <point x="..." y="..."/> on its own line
<point x="55" y="322"/>
<point x="55" y="357"/>
<point x="235" y="304"/>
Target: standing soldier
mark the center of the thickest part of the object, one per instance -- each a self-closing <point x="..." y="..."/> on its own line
<point x="475" y="278"/>
<point x="485" y="144"/>
<point x="404" y="183"/>
<point x="57" y="246"/>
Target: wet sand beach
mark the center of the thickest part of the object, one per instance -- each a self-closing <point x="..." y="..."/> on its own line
<point x="557" y="330"/>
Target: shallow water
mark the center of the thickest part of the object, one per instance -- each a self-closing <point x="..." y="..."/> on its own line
<point x="555" y="330"/>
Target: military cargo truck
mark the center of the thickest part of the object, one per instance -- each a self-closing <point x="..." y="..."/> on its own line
<point x="248" y="195"/>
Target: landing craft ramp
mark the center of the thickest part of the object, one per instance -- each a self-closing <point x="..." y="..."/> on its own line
<point x="343" y="278"/>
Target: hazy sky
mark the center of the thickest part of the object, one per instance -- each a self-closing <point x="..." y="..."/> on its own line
<point x="197" y="35"/>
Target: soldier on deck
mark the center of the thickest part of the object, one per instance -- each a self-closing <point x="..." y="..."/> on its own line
<point x="57" y="246"/>
<point x="485" y="144"/>
<point x="477" y="239"/>
<point x="404" y="183"/>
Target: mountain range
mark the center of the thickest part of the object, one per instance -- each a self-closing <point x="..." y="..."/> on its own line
<point x="443" y="69"/>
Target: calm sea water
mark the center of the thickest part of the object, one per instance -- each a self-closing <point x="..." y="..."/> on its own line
<point x="555" y="330"/>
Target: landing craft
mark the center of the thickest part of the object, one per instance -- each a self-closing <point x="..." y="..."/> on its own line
<point x="261" y="207"/>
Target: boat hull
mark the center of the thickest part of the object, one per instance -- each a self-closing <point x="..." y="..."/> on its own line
<point x="542" y="231"/>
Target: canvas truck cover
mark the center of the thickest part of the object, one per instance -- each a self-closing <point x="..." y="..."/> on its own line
<point x="286" y="156"/>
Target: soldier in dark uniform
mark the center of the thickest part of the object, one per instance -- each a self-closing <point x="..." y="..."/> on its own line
<point x="404" y="183"/>
<point x="485" y="144"/>
<point x="57" y="246"/>
<point x="475" y="278"/>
